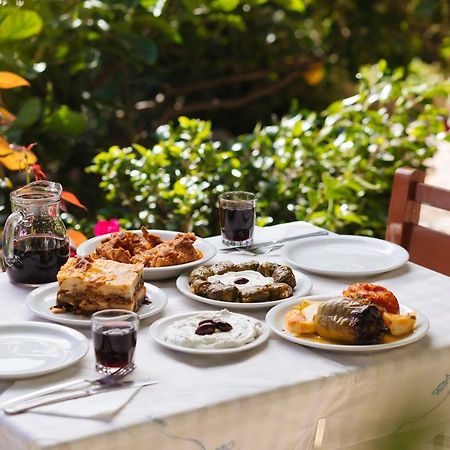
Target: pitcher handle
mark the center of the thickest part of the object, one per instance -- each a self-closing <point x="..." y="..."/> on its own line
<point x="8" y="234"/>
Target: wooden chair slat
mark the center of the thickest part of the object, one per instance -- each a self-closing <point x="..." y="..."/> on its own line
<point x="433" y="196"/>
<point x="427" y="247"/>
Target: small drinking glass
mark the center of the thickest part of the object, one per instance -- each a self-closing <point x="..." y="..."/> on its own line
<point x="237" y="213"/>
<point x="114" y="332"/>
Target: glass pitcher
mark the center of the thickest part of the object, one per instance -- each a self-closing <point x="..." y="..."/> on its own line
<point x="35" y="241"/>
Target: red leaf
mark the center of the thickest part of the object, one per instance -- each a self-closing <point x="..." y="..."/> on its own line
<point x="71" y="198"/>
<point x="37" y="171"/>
<point x="29" y="147"/>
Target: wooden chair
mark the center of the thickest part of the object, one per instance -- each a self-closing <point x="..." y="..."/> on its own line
<point x="426" y="247"/>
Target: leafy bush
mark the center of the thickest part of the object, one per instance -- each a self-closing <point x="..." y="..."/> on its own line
<point x="109" y="72"/>
<point x="333" y="169"/>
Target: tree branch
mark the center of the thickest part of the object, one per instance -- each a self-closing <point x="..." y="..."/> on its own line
<point x="219" y="104"/>
<point x="230" y="79"/>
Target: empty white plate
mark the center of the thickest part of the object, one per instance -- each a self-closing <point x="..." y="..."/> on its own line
<point x="304" y="286"/>
<point x="44" y="297"/>
<point x="345" y="255"/>
<point x="29" y="349"/>
<point x="158" y="273"/>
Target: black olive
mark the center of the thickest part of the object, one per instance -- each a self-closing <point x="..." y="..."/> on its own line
<point x="241" y="281"/>
<point x="205" y="329"/>
<point x="208" y="321"/>
<point x="223" y="326"/>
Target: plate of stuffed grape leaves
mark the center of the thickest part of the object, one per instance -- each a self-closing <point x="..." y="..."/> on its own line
<point x="365" y="318"/>
<point x="244" y="285"/>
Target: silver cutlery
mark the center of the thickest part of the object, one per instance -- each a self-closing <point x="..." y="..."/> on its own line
<point x="262" y="250"/>
<point x="254" y="247"/>
<point x="72" y="395"/>
<point x="106" y="380"/>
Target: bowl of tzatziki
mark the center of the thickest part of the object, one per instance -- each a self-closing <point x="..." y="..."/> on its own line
<point x="209" y="332"/>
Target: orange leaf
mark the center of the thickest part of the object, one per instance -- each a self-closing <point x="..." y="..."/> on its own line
<point x="9" y="80"/>
<point x="77" y="237"/>
<point x="71" y="198"/>
<point x="15" y="157"/>
<point x="6" y="118"/>
<point x="4" y="147"/>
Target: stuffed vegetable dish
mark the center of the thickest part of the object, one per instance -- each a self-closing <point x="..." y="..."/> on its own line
<point x="366" y="314"/>
<point x="246" y="282"/>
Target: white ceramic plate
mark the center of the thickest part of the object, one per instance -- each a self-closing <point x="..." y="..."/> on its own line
<point x="345" y="255"/>
<point x="158" y="273"/>
<point x="29" y="349"/>
<point x="157" y="332"/>
<point x="304" y="286"/>
<point x="275" y="319"/>
<point x="44" y="297"/>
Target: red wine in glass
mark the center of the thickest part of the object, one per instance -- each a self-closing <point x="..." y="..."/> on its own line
<point x="237" y="223"/>
<point x="114" y="344"/>
<point x="237" y="217"/>
<point x="37" y="259"/>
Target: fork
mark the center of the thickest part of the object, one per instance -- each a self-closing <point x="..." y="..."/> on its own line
<point x="106" y="380"/>
<point x="276" y="242"/>
<point x="261" y="251"/>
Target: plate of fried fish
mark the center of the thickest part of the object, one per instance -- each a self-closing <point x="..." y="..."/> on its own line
<point x="365" y="318"/>
<point x="164" y="254"/>
<point x="245" y="285"/>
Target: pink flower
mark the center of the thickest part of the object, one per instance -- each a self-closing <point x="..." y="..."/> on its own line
<point x="106" y="226"/>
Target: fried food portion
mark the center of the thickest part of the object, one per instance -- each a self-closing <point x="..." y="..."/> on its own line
<point x="122" y="247"/>
<point x="374" y="293"/>
<point x="180" y="250"/>
<point x="152" y="239"/>
<point x="148" y="249"/>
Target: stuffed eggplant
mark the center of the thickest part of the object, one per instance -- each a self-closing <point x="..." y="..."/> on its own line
<point x="350" y="322"/>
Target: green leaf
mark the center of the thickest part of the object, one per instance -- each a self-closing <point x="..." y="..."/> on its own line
<point x="141" y="47"/>
<point x="154" y="6"/>
<point x="29" y="113"/>
<point x="66" y="121"/>
<point x="17" y="24"/>
<point x="293" y="5"/>
<point x="225" y="5"/>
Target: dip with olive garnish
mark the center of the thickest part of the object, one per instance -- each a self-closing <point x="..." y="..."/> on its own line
<point x="212" y="330"/>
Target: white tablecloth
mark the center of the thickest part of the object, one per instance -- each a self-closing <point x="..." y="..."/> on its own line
<point x="279" y="396"/>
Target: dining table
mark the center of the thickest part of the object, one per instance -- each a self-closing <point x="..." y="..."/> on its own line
<point x="278" y="396"/>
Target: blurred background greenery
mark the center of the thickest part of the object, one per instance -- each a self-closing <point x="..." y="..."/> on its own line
<point x="266" y="78"/>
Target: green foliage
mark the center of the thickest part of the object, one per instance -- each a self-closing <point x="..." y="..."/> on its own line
<point x="333" y="169"/>
<point x="18" y="24"/>
<point x="110" y="72"/>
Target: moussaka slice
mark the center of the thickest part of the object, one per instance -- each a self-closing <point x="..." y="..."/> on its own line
<point x="87" y="285"/>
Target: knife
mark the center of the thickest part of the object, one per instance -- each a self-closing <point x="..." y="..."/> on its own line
<point x="275" y="242"/>
<point x="56" y="398"/>
<point x="104" y="380"/>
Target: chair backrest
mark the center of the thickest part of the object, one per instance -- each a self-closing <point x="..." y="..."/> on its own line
<point x="427" y="247"/>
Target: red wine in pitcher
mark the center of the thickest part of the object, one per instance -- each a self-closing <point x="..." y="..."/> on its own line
<point x="37" y="259"/>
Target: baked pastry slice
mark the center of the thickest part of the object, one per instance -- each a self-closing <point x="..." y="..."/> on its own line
<point x="87" y="285"/>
